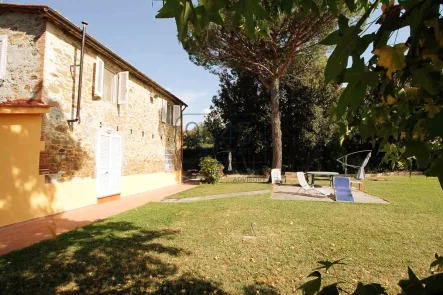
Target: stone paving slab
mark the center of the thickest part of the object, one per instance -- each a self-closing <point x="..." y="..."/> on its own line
<point x="291" y="192"/>
<point x="26" y="233"/>
<point x="204" y="198"/>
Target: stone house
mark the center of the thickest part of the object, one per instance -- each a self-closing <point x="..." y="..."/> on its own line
<point x="58" y="153"/>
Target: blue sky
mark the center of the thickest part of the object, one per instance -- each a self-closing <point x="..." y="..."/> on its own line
<point x="130" y="29"/>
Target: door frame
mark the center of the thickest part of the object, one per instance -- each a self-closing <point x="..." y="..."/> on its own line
<point x="109" y="133"/>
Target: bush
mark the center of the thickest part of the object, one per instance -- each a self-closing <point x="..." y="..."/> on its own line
<point x="210" y="170"/>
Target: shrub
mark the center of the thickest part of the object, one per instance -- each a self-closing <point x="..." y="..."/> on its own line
<point x="210" y="170"/>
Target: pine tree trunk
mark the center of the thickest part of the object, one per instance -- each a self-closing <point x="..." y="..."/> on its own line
<point x="276" y="124"/>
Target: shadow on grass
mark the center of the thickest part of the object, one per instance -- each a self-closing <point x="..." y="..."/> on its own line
<point x="260" y="288"/>
<point x="115" y="257"/>
<point x="104" y="258"/>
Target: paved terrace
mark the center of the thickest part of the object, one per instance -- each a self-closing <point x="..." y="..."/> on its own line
<point x="26" y="233"/>
<point x="290" y="192"/>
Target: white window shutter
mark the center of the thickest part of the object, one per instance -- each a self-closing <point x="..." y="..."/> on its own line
<point x="3" y="55"/>
<point x="99" y="73"/>
<point x="115" y="89"/>
<point x="164" y="110"/>
<point x="176" y="118"/>
<point x="123" y="87"/>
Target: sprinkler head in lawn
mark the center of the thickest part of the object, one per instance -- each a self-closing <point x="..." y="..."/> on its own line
<point x="253" y="236"/>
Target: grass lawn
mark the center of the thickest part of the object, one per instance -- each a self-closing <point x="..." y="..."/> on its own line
<point x="190" y="248"/>
<point x="225" y="187"/>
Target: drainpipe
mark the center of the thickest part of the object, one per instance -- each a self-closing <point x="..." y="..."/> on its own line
<point x="182" y="142"/>
<point x="80" y="76"/>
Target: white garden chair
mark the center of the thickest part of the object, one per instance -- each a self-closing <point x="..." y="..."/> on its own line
<point x="306" y="187"/>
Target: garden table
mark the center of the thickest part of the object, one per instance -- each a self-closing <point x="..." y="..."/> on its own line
<point x="329" y="175"/>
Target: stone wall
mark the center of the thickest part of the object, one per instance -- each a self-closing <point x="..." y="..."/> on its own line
<point x="26" y="40"/>
<point x="71" y="148"/>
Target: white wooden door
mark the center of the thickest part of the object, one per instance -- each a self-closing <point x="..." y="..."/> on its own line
<point x="109" y="163"/>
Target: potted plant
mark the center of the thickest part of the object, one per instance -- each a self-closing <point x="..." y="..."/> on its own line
<point x="266" y="171"/>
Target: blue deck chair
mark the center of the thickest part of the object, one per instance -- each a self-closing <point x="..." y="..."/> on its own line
<point x="343" y="189"/>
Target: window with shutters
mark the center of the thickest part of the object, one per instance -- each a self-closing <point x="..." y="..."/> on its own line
<point x="99" y="77"/>
<point x="3" y="56"/>
<point x="176" y="115"/>
<point x="123" y="87"/>
<point x="169" y="160"/>
<point x="109" y="85"/>
<point x="169" y="114"/>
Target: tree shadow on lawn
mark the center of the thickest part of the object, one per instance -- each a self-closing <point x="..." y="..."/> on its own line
<point x="103" y="258"/>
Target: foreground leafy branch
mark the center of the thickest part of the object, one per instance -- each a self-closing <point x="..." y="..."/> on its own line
<point x="432" y="284"/>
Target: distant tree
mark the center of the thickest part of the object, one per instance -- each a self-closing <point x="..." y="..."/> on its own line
<point x="197" y="137"/>
<point x="242" y="110"/>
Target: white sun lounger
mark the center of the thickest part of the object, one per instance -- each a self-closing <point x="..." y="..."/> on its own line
<point x="306" y="187"/>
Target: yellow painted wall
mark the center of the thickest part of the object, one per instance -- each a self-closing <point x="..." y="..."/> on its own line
<point x="24" y="194"/>
<point x="135" y="184"/>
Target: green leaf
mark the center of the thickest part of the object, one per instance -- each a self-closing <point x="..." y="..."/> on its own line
<point x="351" y="5"/>
<point x="354" y="94"/>
<point x="354" y="73"/>
<point x="332" y="4"/>
<point x="213" y="8"/>
<point x="436" y="126"/>
<point x="369" y="289"/>
<point x="355" y="91"/>
<point x="427" y="78"/>
<point x="251" y="11"/>
<point x="312" y="6"/>
<point x="343" y="22"/>
<point x="202" y="15"/>
<point x="436" y="170"/>
<point x="371" y="78"/>
<point x="338" y="60"/>
<point x="171" y="9"/>
<point x="287" y="5"/>
<point x="332" y="39"/>
<point x="313" y="286"/>
<point x="363" y="43"/>
<point x="183" y="19"/>
<point x="420" y="150"/>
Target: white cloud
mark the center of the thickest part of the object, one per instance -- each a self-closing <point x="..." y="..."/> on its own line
<point x="188" y="96"/>
<point x="206" y="111"/>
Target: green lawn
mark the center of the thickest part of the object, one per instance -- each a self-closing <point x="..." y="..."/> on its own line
<point x="225" y="187"/>
<point x="189" y="248"/>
